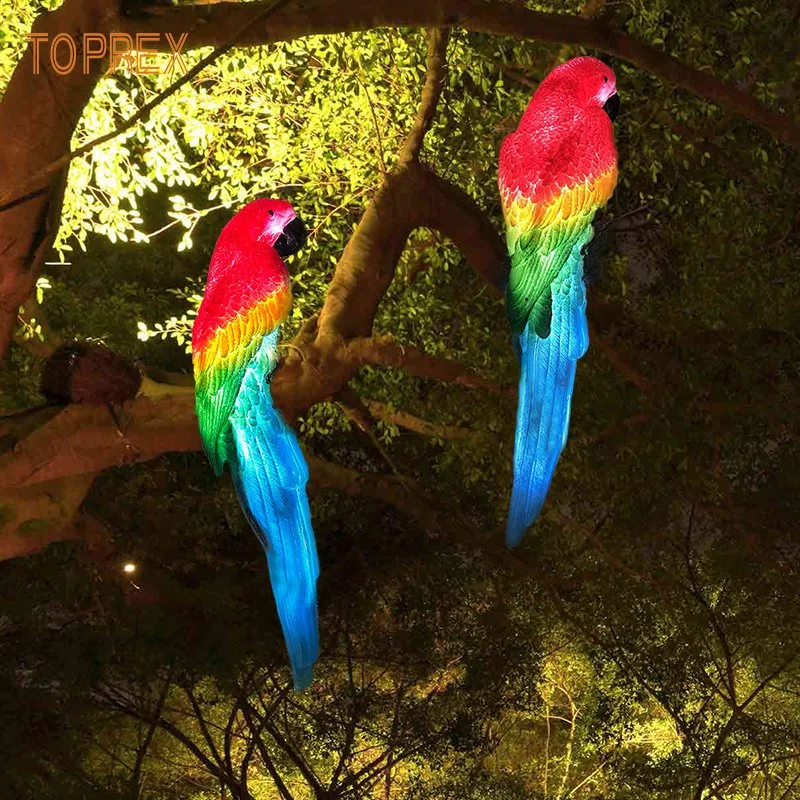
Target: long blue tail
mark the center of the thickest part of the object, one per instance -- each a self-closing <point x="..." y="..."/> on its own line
<point x="270" y="475"/>
<point x="547" y="375"/>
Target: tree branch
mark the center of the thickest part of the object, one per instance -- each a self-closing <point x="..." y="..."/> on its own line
<point x="356" y="411"/>
<point x="397" y="491"/>
<point x="627" y="370"/>
<point x="210" y="25"/>
<point x="31" y="517"/>
<point x="83" y="439"/>
<point x="256" y="728"/>
<point x="416" y="424"/>
<point x="141" y="750"/>
<point x="425" y="509"/>
<point x="386" y="351"/>
<point x="201" y="721"/>
<point x="108" y="699"/>
<point x="431" y="91"/>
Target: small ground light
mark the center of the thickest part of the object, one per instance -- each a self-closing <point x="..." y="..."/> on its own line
<point x="129" y="568"/>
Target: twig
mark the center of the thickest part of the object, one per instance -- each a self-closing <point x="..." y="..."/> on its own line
<point x="355" y="409"/>
<point x="381" y="160"/>
<point x="416" y="424"/>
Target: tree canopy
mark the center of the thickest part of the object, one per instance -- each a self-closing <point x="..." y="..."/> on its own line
<point x="644" y="641"/>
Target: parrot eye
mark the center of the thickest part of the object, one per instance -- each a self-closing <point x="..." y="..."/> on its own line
<point x="605" y="78"/>
<point x="271" y="213"/>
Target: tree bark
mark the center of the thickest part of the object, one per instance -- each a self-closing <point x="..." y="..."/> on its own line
<point x="38" y="115"/>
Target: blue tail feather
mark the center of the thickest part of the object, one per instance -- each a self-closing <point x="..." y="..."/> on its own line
<point x="547" y="376"/>
<point x="270" y="476"/>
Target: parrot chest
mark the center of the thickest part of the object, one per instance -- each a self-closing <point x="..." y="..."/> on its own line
<point x="549" y="194"/>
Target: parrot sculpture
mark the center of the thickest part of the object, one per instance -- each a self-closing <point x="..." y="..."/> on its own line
<point x="234" y="354"/>
<point x="556" y="170"/>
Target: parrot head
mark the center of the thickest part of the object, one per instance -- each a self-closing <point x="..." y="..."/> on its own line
<point x="271" y="221"/>
<point x="580" y="84"/>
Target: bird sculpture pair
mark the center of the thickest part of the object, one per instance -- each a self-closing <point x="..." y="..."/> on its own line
<point x="556" y="170"/>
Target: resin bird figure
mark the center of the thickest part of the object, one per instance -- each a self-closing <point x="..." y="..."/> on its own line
<point x="556" y="170"/>
<point x="235" y="353"/>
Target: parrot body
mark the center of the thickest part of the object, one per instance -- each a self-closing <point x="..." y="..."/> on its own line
<point x="234" y="350"/>
<point x="555" y="171"/>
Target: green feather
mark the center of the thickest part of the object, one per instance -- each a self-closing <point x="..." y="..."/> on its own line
<point x="537" y="257"/>
<point x="217" y="388"/>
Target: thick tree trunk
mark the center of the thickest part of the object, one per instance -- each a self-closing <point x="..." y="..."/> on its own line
<point x="38" y="115"/>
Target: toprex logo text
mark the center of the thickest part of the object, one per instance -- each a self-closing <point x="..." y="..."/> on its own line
<point x="119" y="47"/>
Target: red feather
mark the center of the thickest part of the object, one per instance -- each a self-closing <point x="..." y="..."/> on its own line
<point x="564" y="136"/>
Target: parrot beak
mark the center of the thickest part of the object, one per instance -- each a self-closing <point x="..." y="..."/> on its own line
<point x="292" y="239"/>
<point x="611" y="106"/>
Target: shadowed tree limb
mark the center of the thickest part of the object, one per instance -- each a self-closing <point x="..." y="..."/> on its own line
<point x="621" y="364"/>
<point x="427" y="511"/>
<point x="416" y="424"/>
<point x="399" y="491"/>
<point x="387" y="351"/>
<point x="356" y="411"/>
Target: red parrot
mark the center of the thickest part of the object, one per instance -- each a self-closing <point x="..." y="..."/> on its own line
<point x="556" y="170"/>
<point x="235" y="352"/>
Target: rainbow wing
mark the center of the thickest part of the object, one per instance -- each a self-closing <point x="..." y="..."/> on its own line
<point x="545" y="220"/>
<point x="232" y="322"/>
<point x="549" y="197"/>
